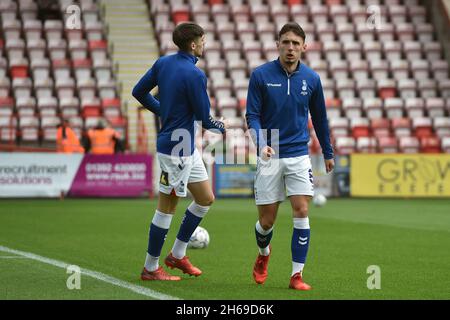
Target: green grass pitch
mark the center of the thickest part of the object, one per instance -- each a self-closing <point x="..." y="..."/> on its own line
<point x="408" y="239"/>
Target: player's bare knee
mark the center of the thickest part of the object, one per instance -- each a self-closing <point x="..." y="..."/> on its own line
<point x="266" y="224"/>
<point x="300" y="211"/>
<point x="207" y="202"/>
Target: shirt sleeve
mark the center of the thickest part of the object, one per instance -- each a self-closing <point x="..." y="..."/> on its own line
<point x="320" y="121"/>
<point x="141" y="91"/>
<point x="199" y="100"/>
<point x="253" y="112"/>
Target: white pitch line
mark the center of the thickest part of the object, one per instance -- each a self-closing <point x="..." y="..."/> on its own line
<point x="12" y="257"/>
<point x="93" y="274"/>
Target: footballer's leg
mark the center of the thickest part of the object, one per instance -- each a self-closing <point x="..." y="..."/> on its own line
<point x="269" y="192"/>
<point x="300" y="189"/>
<point x="200" y="189"/>
<point x="263" y="232"/>
<point x="158" y="230"/>
<point x="300" y="240"/>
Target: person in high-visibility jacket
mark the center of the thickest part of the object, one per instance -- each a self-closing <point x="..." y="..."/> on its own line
<point x="66" y="139"/>
<point x="103" y="140"/>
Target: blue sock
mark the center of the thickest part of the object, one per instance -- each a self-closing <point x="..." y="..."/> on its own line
<point x="300" y="245"/>
<point x="188" y="226"/>
<point x="156" y="239"/>
<point x="158" y="231"/>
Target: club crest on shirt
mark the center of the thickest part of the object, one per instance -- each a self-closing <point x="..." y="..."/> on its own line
<point x="304" y="91"/>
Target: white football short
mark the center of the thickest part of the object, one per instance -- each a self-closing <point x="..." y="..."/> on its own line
<point x="177" y="172"/>
<point x="277" y="178"/>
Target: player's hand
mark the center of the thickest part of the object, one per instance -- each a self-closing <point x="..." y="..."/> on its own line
<point x="226" y="123"/>
<point x="329" y="165"/>
<point x="267" y="152"/>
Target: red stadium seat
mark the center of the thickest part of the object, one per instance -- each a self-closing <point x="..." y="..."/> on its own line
<point x="111" y="107"/>
<point x="180" y="13"/>
<point x="401" y="127"/>
<point x="360" y="127"/>
<point x="294" y="2"/>
<point x="19" y="70"/>
<point x="91" y="107"/>
<point x="430" y="144"/>
<point x="423" y="127"/>
<point x="380" y="127"/>
<point x="387" y="145"/>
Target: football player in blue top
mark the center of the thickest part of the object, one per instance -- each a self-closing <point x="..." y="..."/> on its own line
<point x="281" y="95"/>
<point x="183" y="99"/>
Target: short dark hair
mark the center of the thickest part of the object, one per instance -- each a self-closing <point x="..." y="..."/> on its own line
<point x="294" y="27"/>
<point x="185" y="33"/>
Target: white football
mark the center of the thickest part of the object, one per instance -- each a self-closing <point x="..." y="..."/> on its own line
<point x="199" y="239"/>
<point x="319" y="200"/>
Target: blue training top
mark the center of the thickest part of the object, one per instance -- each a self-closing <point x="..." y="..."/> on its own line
<point x="280" y="101"/>
<point x="183" y="99"/>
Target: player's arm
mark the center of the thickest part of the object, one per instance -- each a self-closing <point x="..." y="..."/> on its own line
<point x="199" y="100"/>
<point x="141" y="91"/>
<point x="253" y="116"/>
<point x="320" y="122"/>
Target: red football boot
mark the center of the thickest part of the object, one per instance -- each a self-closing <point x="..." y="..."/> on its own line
<point x="298" y="284"/>
<point x="158" y="274"/>
<point x="183" y="264"/>
<point x="260" y="267"/>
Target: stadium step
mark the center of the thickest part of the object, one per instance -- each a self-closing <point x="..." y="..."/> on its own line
<point x="134" y="50"/>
